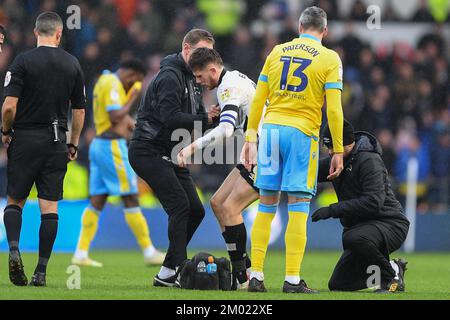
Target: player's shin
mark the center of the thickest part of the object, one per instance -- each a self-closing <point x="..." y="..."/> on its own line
<point x="295" y="239"/>
<point x="236" y="240"/>
<point x="138" y="225"/>
<point x="89" y="226"/>
<point x="260" y="238"/>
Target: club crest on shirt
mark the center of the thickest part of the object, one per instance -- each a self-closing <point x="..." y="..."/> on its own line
<point x="7" y="78"/>
<point x="225" y="94"/>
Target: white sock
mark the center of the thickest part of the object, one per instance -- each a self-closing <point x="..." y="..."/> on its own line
<point x="292" y="279"/>
<point x="81" y="254"/>
<point x="258" y="275"/>
<point x="149" y="251"/>
<point x="165" y="273"/>
<point x="396" y="269"/>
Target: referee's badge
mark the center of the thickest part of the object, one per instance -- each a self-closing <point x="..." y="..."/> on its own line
<point x="7" y="78"/>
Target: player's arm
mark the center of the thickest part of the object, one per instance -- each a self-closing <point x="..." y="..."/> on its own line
<point x="257" y="107"/>
<point x="117" y="112"/>
<point x="224" y="130"/>
<point x="249" y="151"/>
<point x="335" y="115"/>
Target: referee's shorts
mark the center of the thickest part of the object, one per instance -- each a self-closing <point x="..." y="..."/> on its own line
<point x="34" y="157"/>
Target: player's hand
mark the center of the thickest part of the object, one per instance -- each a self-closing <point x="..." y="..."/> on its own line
<point x="6" y="140"/>
<point x="336" y="166"/>
<point x="321" y="214"/>
<point x="213" y="112"/>
<point x="185" y="154"/>
<point x="249" y="155"/>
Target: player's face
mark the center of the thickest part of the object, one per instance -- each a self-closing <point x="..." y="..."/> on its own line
<point x="206" y="77"/>
<point x="131" y="77"/>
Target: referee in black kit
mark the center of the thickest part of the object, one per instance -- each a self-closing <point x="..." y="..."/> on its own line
<point x="40" y="86"/>
<point x="172" y="101"/>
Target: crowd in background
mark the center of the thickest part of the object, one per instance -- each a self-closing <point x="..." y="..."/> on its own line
<point x="399" y="94"/>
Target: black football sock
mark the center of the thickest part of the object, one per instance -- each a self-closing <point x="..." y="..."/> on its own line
<point x="12" y="219"/>
<point x="236" y="239"/>
<point x="47" y="236"/>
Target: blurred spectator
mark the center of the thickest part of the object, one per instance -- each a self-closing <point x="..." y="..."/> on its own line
<point x="352" y="45"/>
<point x="243" y="53"/>
<point x="409" y="146"/>
<point x="150" y="22"/>
<point x="221" y="18"/>
<point x="358" y="11"/>
<point x="439" y="9"/>
<point x="423" y="13"/>
<point x="386" y="139"/>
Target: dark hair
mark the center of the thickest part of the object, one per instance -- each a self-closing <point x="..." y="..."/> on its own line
<point x="2" y="30"/>
<point x="201" y="57"/>
<point x="133" y="64"/>
<point x="196" y="35"/>
<point x="47" y="23"/>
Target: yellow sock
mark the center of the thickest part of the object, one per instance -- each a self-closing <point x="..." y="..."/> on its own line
<point x="89" y="226"/>
<point x="138" y="225"/>
<point x="261" y="235"/>
<point x="295" y="238"/>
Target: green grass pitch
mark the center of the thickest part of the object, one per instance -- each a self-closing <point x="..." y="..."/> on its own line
<point x="125" y="277"/>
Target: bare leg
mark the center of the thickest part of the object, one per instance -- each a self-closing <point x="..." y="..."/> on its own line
<point x="222" y="194"/>
<point x="241" y="196"/>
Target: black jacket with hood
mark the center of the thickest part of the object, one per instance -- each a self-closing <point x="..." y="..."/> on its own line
<point x="172" y="101"/>
<point x="363" y="189"/>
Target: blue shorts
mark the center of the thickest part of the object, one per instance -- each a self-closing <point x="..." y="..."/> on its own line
<point x="287" y="160"/>
<point x="110" y="170"/>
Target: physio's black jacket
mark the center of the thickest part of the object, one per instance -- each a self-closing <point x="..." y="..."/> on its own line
<point x="363" y="189"/>
<point x="47" y="81"/>
<point x="173" y="100"/>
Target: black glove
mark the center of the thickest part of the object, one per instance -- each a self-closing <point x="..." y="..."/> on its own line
<point x="321" y="214"/>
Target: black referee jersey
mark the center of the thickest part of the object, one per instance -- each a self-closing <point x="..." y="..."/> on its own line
<point x="48" y="82"/>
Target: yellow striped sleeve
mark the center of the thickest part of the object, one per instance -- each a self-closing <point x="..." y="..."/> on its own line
<point x="335" y="117"/>
<point x="259" y="100"/>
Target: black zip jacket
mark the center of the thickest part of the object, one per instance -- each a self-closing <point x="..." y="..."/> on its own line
<point x="172" y="101"/>
<point x="363" y="189"/>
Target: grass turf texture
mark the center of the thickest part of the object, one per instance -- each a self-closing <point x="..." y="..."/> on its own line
<point x="125" y="277"/>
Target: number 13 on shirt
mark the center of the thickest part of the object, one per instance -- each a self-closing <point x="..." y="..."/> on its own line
<point x="301" y="65"/>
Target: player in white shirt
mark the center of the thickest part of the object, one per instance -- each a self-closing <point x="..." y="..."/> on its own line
<point x="235" y="93"/>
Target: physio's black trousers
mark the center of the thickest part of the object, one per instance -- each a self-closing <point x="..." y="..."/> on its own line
<point x="366" y="245"/>
<point x="175" y="189"/>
